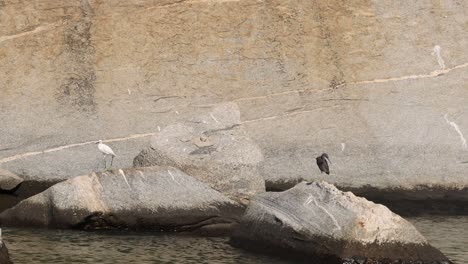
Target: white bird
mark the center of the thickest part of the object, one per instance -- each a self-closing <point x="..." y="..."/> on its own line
<point x="105" y="150"/>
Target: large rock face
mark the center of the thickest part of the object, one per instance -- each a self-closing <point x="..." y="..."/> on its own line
<point x="157" y="198"/>
<point x="212" y="148"/>
<point x="378" y="85"/>
<point x="318" y="220"/>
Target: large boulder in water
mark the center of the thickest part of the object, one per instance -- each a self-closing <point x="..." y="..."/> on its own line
<point x="213" y="148"/>
<point x="156" y="198"/>
<point x="318" y="220"/>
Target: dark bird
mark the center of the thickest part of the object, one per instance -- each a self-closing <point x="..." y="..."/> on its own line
<point x="323" y="162"/>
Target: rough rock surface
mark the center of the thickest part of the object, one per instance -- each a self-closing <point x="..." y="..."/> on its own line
<point x="319" y="220"/>
<point x="9" y="181"/>
<point x="157" y="198"/>
<point x="4" y="256"/>
<point x="10" y="184"/>
<point x="212" y="148"/>
<point x="356" y="80"/>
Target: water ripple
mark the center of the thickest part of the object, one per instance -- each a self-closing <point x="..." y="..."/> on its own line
<point x="30" y="246"/>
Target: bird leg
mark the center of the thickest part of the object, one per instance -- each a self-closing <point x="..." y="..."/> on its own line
<point x="105" y="163"/>
<point x="112" y="161"/>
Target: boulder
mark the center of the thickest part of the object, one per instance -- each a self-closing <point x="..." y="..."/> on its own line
<point x="9" y="181"/>
<point x="10" y="185"/>
<point x="156" y="198"/>
<point x="213" y="148"/>
<point x="316" y="219"/>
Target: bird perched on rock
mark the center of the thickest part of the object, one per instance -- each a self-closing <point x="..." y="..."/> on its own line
<point x="323" y="163"/>
<point x="106" y="151"/>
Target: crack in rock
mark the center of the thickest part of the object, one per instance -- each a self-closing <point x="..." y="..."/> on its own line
<point x="34" y="153"/>
<point x="27" y="33"/>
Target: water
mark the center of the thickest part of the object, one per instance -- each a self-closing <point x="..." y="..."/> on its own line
<point x="65" y="246"/>
<point x="449" y="234"/>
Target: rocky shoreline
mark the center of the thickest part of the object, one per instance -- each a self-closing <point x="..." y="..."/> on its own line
<point x="311" y="220"/>
<point x="203" y="176"/>
<point x="212" y="106"/>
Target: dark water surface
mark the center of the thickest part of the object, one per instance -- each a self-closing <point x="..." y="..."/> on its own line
<point x="449" y="234"/>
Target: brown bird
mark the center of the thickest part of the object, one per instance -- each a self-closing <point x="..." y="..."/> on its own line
<point x="323" y="163"/>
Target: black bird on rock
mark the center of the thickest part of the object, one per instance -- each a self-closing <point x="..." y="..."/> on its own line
<point x="323" y="163"/>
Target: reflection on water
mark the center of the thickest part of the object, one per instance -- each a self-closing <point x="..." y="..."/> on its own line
<point x="449" y="234"/>
<point x="63" y="246"/>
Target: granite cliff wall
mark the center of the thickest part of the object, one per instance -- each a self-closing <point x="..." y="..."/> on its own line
<point x="381" y="86"/>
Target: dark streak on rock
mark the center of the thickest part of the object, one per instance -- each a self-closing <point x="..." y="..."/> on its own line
<point x="203" y="151"/>
<point x="109" y="221"/>
<point x="166" y="97"/>
<point x="210" y="132"/>
<point x="5" y="149"/>
<point x="413" y="202"/>
<point x="326" y="35"/>
<point x="294" y="109"/>
<point x="346" y="99"/>
<point x="419" y="200"/>
<point x="77" y="89"/>
<point x="162" y="112"/>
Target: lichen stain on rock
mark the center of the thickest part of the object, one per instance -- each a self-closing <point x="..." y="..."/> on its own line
<point x="78" y="89"/>
<point x="79" y="92"/>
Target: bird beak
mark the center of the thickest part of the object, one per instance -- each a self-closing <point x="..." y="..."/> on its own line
<point x="328" y="161"/>
<point x="97" y="142"/>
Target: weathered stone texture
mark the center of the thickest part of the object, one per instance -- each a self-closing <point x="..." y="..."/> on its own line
<point x="156" y="198"/>
<point x="356" y="80"/>
<point x="213" y="148"/>
<point x="318" y="220"/>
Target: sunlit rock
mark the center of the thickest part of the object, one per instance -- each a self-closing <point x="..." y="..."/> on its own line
<point x="213" y="148"/>
<point x="9" y="181"/>
<point x="156" y="198"/>
<point x="317" y="220"/>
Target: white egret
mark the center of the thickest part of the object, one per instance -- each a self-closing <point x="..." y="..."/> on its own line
<point x="105" y="150"/>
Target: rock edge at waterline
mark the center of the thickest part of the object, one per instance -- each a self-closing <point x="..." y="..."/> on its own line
<point x="156" y="198"/>
<point x="320" y="221"/>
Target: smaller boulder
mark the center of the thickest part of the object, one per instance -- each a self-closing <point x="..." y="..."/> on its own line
<point x="154" y="198"/>
<point x="319" y="221"/>
<point x="213" y="148"/>
<point x="9" y="181"/>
